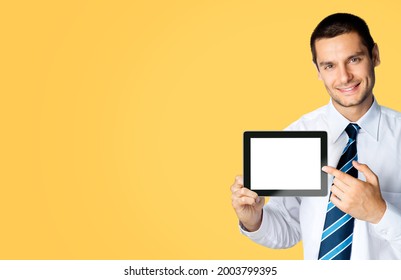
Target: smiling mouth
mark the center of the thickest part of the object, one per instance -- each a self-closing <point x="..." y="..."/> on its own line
<point x="349" y="89"/>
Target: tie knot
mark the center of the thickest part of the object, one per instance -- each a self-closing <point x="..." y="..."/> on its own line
<point x="352" y="130"/>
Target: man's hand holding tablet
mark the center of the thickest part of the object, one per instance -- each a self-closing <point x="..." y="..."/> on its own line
<point x="247" y="204"/>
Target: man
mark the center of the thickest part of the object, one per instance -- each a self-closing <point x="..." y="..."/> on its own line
<point x="366" y="194"/>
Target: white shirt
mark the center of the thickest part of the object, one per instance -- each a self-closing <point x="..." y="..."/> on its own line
<point x="288" y="220"/>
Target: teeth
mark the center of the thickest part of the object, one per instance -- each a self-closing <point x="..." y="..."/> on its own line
<point x="348" y="89"/>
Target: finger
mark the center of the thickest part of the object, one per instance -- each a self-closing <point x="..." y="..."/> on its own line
<point x="340" y="184"/>
<point x="369" y="175"/>
<point x="239" y="179"/>
<point x="238" y="184"/>
<point x="247" y="193"/>
<point x="242" y="201"/>
<point x="336" y="201"/>
<point x="344" y="177"/>
<point x="242" y="191"/>
<point x="337" y="191"/>
<point x="236" y="187"/>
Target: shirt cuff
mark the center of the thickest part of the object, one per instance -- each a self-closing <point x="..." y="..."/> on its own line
<point x="257" y="234"/>
<point x="388" y="227"/>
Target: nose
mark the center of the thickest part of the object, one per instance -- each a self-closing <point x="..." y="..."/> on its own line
<point x="345" y="74"/>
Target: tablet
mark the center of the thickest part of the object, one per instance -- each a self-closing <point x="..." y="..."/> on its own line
<point x="285" y="163"/>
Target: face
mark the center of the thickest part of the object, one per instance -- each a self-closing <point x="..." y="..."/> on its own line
<point x="347" y="71"/>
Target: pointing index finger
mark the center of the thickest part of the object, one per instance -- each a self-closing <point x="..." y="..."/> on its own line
<point x="331" y="170"/>
<point x="346" y="178"/>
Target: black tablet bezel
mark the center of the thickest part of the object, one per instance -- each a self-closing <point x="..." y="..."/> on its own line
<point x="322" y="135"/>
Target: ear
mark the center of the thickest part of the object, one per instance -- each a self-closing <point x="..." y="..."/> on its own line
<point x="318" y="71"/>
<point x="375" y="55"/>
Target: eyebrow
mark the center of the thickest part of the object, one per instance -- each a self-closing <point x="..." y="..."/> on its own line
<point x="360" y="53"/>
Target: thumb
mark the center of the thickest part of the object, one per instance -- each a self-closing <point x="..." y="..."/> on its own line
<point x="369" y="175"/>
<point x="260" y="200"/>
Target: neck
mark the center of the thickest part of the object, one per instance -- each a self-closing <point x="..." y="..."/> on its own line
<point x="354" y="113"/>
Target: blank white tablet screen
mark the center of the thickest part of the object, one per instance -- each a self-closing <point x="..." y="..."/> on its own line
<point x="285" y="163"/>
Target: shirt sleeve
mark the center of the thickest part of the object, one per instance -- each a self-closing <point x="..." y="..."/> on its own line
<point x="389" y="226"/>
<point x="280" y="226"/>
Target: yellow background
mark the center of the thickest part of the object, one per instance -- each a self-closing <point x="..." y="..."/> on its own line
<point x="122" y="121"/>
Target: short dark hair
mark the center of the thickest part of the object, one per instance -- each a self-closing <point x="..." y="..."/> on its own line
<point x="338" y="24"/>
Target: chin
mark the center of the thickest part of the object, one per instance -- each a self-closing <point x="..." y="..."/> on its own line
<point x="350" y="102"/>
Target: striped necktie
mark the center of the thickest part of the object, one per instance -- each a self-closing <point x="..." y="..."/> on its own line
<point x="338" y="228"/>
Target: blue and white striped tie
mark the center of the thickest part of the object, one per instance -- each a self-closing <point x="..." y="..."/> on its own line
<point x="338" y="228"/>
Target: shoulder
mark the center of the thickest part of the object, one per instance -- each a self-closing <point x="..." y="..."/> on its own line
<point x="390" y="113"/>
<point x="311" y="120"/>
<point x="390" y="121"/>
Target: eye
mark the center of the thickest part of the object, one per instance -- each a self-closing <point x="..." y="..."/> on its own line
<point x="328" y="67"/>
<point x="355" y="59"/>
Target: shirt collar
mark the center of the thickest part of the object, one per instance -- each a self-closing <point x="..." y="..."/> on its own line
<point x="368" y="122"/>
